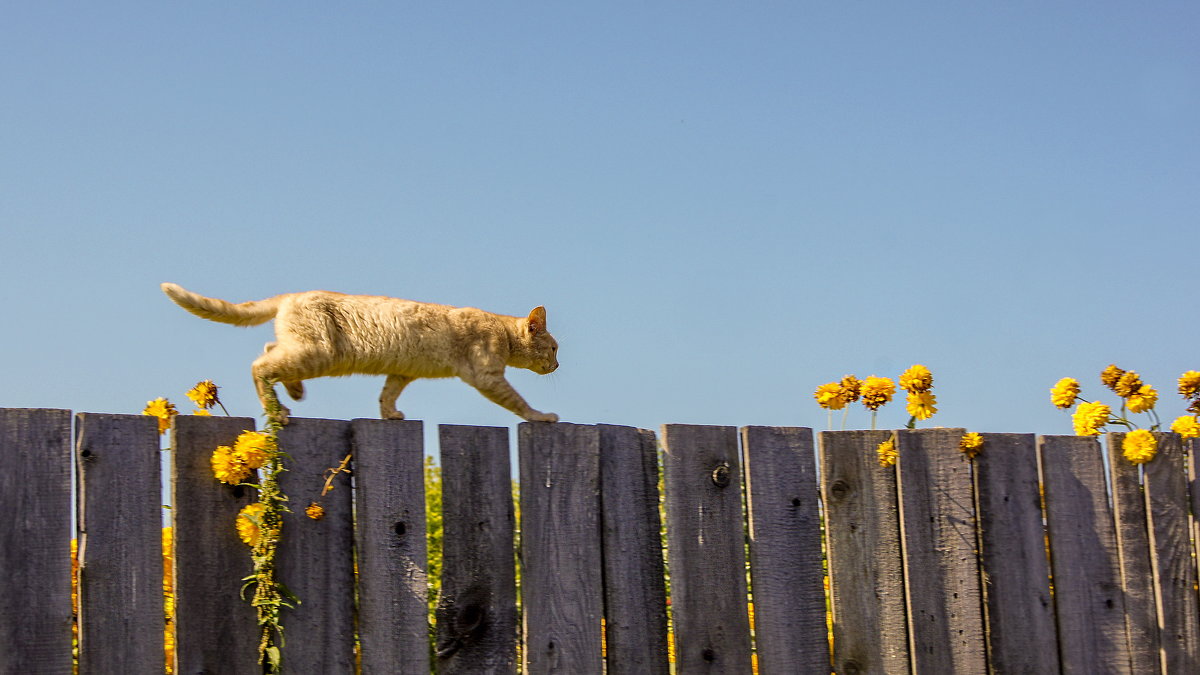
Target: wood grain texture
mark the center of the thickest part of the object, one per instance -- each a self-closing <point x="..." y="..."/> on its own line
<point x="866" y="571"/>
<point x="393" y="586"/>
<point x="216" y="630"/>
<point x="477" y="610"/>
<point x="1174" y="568"/>
<point x="562" y="575"/>
<point x="706" y="549"/>
<point x="786" y="572"/>
<point x="635" y="605"/>
<point x="1133" y="550"/>
<point x="1088" y="598"/>
<point x="1022" y="636"/>
<point x="35" y="535"/>
<point x="121" y="619"/>
<point x="316" y="557"/>
<point x="937" y="522"/>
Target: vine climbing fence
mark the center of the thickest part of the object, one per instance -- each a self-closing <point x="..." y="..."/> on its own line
<point x="787" y="553"/>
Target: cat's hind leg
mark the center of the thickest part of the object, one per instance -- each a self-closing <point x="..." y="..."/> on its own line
<point x="295" y="388"/>
<point x="391" y="391"/>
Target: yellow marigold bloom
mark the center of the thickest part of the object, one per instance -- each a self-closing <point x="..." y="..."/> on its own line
<point x="201" y="412"/>
<point x="829" y="395"/>
<point x="1186" y="426"/>
<point x="1110" y="375"/>
<point x="1064" y="392"/>
<point x="164" y="410"/>
<point x="850" y="388"/>
<point x="916" y="379"/>
<point x="204" y="394"/>
<point x="253" y="448"/>
<point x="1128" y="384"/>
<point x="1089" y="418"/>
<point x="227" y="467"/>
<point x="876" y="391"/>
<point x="970" y="444"/>
<point x="1143" y="399"/>
<point x="1189" y="384"/>
<point x="921" y="405"/>
<point x="315" y="511"/>
<point x="249" y="523"/>
<point x="887" y="452"/>
<point x="1139" y="446"/>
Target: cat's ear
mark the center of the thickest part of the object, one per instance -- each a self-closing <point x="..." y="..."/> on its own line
<point x="537" y="320"/>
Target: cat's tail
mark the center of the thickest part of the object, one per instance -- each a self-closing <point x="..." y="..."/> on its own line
<point x="214" y="309"/>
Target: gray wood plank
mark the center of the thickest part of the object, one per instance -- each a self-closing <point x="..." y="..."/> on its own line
<point x="866" y="576"/>
<point x="1088" y="599"/>
<point x="561" y="572"/>
<point x="121" y="619"/>
<point x="216" y="631"/>
<point x="477" y="610"/>
<point x="1171" y="556"/>
<point x="393" y="587"/>
<point x="1133" y="549"/>
<point x="315" y="558"/>
<point x="635" y="603"/>
<point x="706" y="549"/>
<point x="937" y="524"/>
<point x="786" y="572"/>
<point x="35" y="535"/>
<point x="1022" y="636"/>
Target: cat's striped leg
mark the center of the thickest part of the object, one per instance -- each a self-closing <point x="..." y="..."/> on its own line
<point x="391" y="391"/>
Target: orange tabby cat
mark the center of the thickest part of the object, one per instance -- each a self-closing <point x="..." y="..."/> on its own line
<point x="319" y="333"/>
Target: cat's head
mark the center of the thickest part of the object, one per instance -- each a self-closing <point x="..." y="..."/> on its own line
<point x="540" y="349"/>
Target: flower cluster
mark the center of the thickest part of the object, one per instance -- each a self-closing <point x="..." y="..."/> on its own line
<point x="204" y="395"/>
<point x="970" y="444"/>
<point x="249" y="453"/>
<point x="164" y="410"/>
<point x="876" y="392"/>
<point x="887" y="452"/>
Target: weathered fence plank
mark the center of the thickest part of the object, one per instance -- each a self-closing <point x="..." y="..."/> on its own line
<point x="706" y="549"/>
<point x="562" y="574"/>
<point x="316" y="557"/>
<point x="1133" y="548"/>
<point x="866" y="576"/>
<point x="216" y="630"/>
<point x="785" y="550"/>
<point x="635" y="606"/>
<point x="392" y="583"/>
<point x="1022" y="636"/>
<point x="119" y="469"/>
<point x="937" y="522"/>
<point x="1174" y="569"/>
<point x="1088" y="600"/>
<point x="477" y="611"/>
<point x="35" y="558"/>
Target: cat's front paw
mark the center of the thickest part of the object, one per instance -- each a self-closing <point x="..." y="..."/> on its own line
<point x="280" y="415"/>
<point x="535" y="416"/>
<point x="391" y="415"/>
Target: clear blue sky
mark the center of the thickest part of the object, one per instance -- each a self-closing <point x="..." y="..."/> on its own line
<point x="722" y="205"/>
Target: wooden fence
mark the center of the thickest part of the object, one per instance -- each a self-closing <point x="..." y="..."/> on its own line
<point x="939" y="565"/>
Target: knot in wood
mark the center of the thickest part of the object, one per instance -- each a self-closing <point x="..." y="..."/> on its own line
<point x="839" y="489"/>
<point x="720" y="475"/>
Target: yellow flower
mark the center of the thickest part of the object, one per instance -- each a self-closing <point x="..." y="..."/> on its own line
<point x="164" y="410"/>
<point x="829" y="396"/>
<point x="887" y="452"/>
<point x="204" y="394"/>
<point x="227" y="467"/>
<point x="1186" y="426"/>
<point x="850" y="387"/>
<point x="876" y="391"/>
<point x="1128" y="384"/>
<point x="1139" y="446"/>
<point x="1064" y="392"/>
<point x="249" y="523"/>
<point x="253" y="448"/>
<point x="1089" y="418"/>
<point x="916" y="379"/>
<point x="1189" y="384"/>
<point x="1110" y="375"/>
<point x="1143" y="399"/>
<point x="202" y="413"/>
<point x="921" y="405"/>
<point x="315" y="511"/>
<point x="970" y="444"/>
